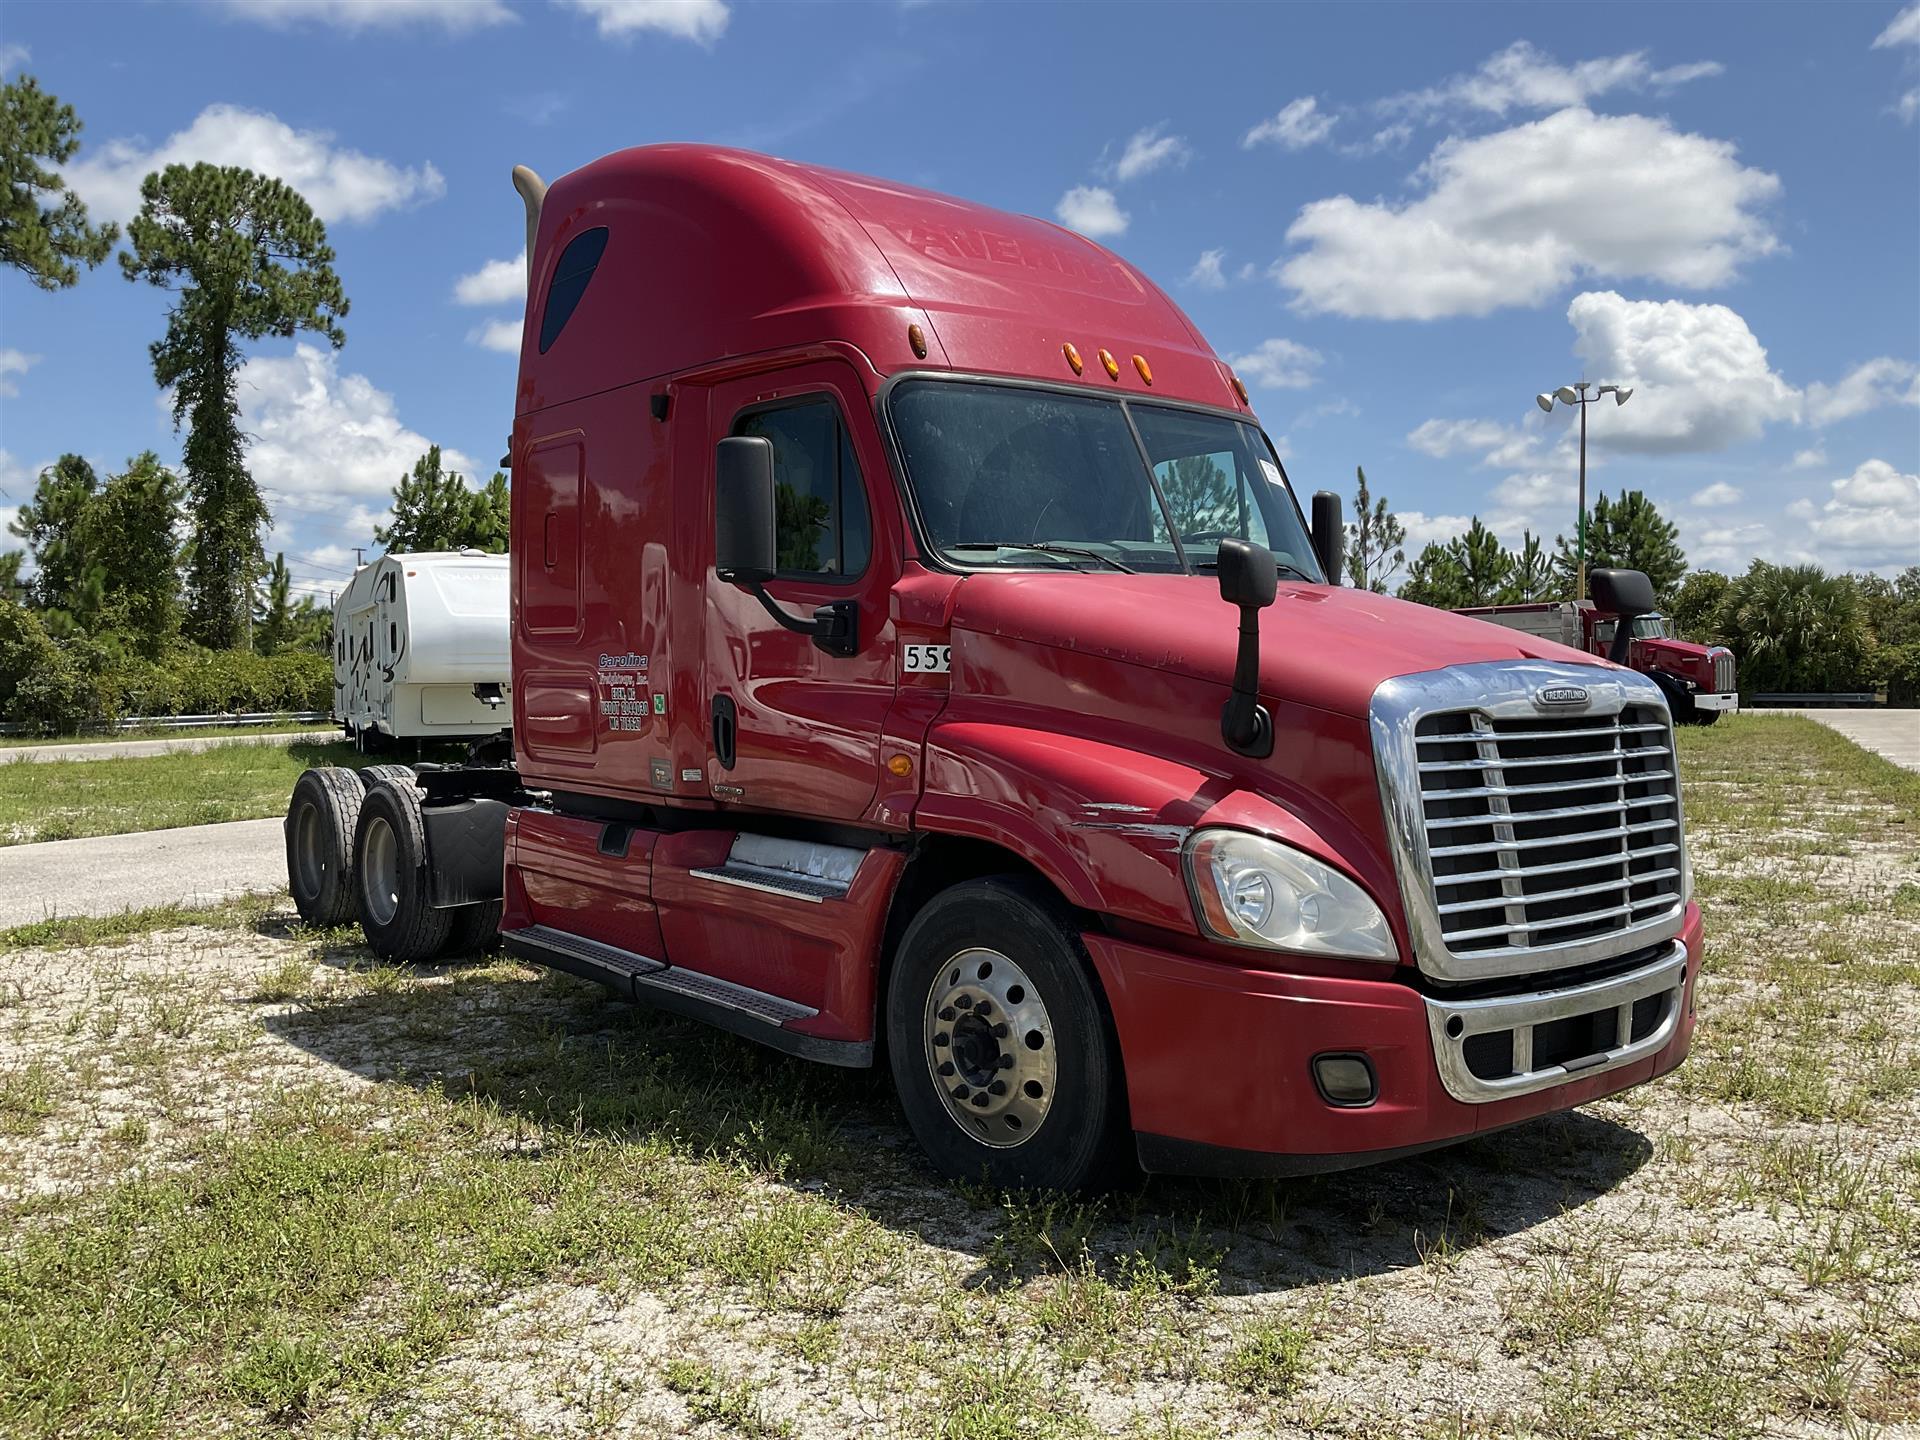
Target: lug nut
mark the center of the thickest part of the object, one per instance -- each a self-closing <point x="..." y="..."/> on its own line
<point x="941" y="1040"/>
<point x="960" y="1092"/>
<point x="998" y="1087"/>
<point x="1006" y="1062"/>
<point x="947" y="1014"/>
<point x="980" y="1100"/>
<point x="1000" y="1031"/>
<point x="946" y="1067"/>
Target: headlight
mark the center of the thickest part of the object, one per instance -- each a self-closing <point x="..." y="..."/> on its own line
<point x="1260" y="892"/>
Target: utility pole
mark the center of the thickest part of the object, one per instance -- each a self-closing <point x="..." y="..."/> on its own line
<point x="1576" y="394"/>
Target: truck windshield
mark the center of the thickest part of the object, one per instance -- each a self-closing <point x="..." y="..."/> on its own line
<point x="1049" y="479"/>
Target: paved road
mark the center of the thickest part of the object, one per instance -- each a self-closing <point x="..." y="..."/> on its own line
<point x="196" y="865"/>
<point x="133" y="749"/>
<point x="1892" y="733"/>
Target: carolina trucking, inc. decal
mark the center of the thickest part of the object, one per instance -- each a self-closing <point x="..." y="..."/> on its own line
<point x="624" y="704"/>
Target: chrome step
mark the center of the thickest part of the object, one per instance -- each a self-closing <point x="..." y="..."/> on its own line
<point x="592" y="952"/>
<point x="798" y="869"/>
<point x="715" y="991"/>
<point x="776" y="882"/>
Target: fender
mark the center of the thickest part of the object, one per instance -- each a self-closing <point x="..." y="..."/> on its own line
<point x="1103" y="822"/>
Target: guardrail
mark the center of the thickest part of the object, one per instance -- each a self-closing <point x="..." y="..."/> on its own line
<point x="1860" y="700"/>
<point x="188" y="722"/>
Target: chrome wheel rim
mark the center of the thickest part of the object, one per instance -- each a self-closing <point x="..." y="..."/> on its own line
<point x="990" y="1048"/>
<point x="308" y="861"/>
<point x="380" y="872"/>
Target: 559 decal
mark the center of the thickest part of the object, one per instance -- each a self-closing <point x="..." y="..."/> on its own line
<point x="926" y="659"/>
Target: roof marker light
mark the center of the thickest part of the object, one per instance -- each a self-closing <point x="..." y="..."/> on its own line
<point x="1073" y="357"/>
<point x="1112" y="365"/>
<point x="917" y="338"/>
<point x="1239" y="388"/>
<point x="1146" y="370"/>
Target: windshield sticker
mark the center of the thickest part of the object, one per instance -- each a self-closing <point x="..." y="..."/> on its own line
<point x="1274" y="477"/>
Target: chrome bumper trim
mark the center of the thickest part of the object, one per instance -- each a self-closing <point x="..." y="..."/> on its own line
<point x="1521" y="1013"/>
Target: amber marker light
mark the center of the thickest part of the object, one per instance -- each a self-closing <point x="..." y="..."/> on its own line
<point x="1073" y="357"/>
<point x="1146" y="370"/>
<point x="1239" y="388"/>
<point x="900" y="765"/>
<point x="917" y="338"/>
<point x="1112" y="365"/>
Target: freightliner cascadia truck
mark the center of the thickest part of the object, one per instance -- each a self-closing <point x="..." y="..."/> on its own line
<point x="921" y="658"/>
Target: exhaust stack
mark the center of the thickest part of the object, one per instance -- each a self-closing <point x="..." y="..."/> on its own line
<point x="533" y="191"/>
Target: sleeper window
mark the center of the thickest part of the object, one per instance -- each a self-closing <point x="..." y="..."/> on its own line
<point x="570" y="277"/>
<point x="821" y="526"/>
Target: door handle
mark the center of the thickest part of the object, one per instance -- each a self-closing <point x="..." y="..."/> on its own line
<point x="726" y="730"/>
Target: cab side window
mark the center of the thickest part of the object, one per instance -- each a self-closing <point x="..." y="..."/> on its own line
<point x="821" y="524"/>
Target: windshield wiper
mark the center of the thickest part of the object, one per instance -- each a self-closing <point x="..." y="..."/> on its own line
<point x="1281" y="565"/>
<point x="1045" y="547"/>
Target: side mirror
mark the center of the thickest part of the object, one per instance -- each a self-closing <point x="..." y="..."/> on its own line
<point x="1249" y="579"/>
<point x="1329" y="535"/>
<point x="1627" y="594"/>
<point x="743" y="510"/>
<point x="1248" y="575"/>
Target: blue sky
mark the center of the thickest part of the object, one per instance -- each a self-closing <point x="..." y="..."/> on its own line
<point x="1399" y="222"/>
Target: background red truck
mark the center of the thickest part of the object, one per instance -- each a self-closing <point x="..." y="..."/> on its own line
<point x="919" y="652"/>
<point x="1698" y="679"/>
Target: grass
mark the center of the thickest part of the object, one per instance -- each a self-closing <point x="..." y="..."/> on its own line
<point x="255" y="1184"/>
<point x="69" y="799"/>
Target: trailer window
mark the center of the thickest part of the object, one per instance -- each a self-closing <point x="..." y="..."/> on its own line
<point x="577" y="264"/>
<point x="821" y="524"/>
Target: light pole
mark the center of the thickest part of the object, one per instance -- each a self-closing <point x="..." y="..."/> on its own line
<point x="1576" y="395"/>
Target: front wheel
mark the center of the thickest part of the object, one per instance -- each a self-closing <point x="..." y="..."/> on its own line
<point x="1001" y="1051"/>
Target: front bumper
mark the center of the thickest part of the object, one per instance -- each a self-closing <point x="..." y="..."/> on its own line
<point x="1707" y="700"/>
<point x="1218" y="1057"/>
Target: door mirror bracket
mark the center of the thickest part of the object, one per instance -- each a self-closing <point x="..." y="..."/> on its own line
<point x="744" y="544"/>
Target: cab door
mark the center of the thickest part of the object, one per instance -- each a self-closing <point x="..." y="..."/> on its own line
<point x="791" y="727"/>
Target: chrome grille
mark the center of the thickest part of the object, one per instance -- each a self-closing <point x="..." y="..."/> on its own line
<point x="1548" y="830"/>
<point x="1529" y="835"/>
<point x="1722" y="672"/>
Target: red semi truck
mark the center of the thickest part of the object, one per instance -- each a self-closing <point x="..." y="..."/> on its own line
<point x="921" y="657"/>
<point x="1698" y="679"/>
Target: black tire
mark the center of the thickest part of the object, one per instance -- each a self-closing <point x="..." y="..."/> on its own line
<point x="1075" y="1141"/>
<point x="372" y="775"/>
<point x="390" y="876"/>
<point x="321" y="820"/>
<point x="475" y="928"/>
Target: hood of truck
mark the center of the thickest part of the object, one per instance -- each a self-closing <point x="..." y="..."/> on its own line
<point x="1323" y="646"/>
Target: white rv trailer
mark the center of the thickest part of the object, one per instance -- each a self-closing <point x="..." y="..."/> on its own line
<point x="420" y="647"/>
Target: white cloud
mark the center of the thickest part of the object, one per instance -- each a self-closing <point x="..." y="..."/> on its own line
<point x="339" y="184"/>
<point x="1522" y="77"/>
<point x="1717" y="494"/>
<point x="494" y="283"/>
<point x="1537" y="491"/>
<point x="1502" y="445"/>
<point x="1423" y="529"/>
<point x="1207" y="273"/>
<point x="501" y="335"/>
<point x="453" y="16"/>
<point x="1277" y="365"/>
<point x="702" y="21"/>
<point x="1299" y="124"/>
<point x="1903" y="29"/>
<point x="12" y="55"/>
<point x="1885" y="381"/>
<point x="321" y="439"/>
<point x="12" y="363"/>
<point x="1092" y="211"/>
<point x="1872" y="519"/>
<point x="1509" y="218"/>
<point x="1700" y="378"/>
<point x="1810" y="459"/>
<point x="1907" y="106"/>
<point x="1150" y="150"/>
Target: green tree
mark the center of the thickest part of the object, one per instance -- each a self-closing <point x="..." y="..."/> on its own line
<point x="1201" y="497"/>
<point x="1376" y="541"/>
<point x="133" y="548"/>
<point x="1435" y="579"/>
<point x="244" y="257"/>
<point x="1630" y="533"/>
<point x="54" y="525"/>
<point x="1795" y="628"/>
<point x="434" y="510"/>
<point x="1696" y="606"/>
<point x="1529" y="574"/>
<point x="43" y="224"/>
<point x="12" y="587"/>
<point x="1483" y="563"/>
<point x="273" y="609"/>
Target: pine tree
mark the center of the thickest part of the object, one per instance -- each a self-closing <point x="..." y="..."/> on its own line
<point x="54" y="525"/>
<point x="133" y="544"/>
<point x="1435" y="579"/>
<point x="1484" y="565"/>
<point x="1529" y="574"/>
<point x="434" y="510"/>
<point x="1376" y="541"/>
<point x="43" y="224"/>
<point x="1630" y="533"/>
<point x="245" y="258"/>
<point x="273" y="610"/>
